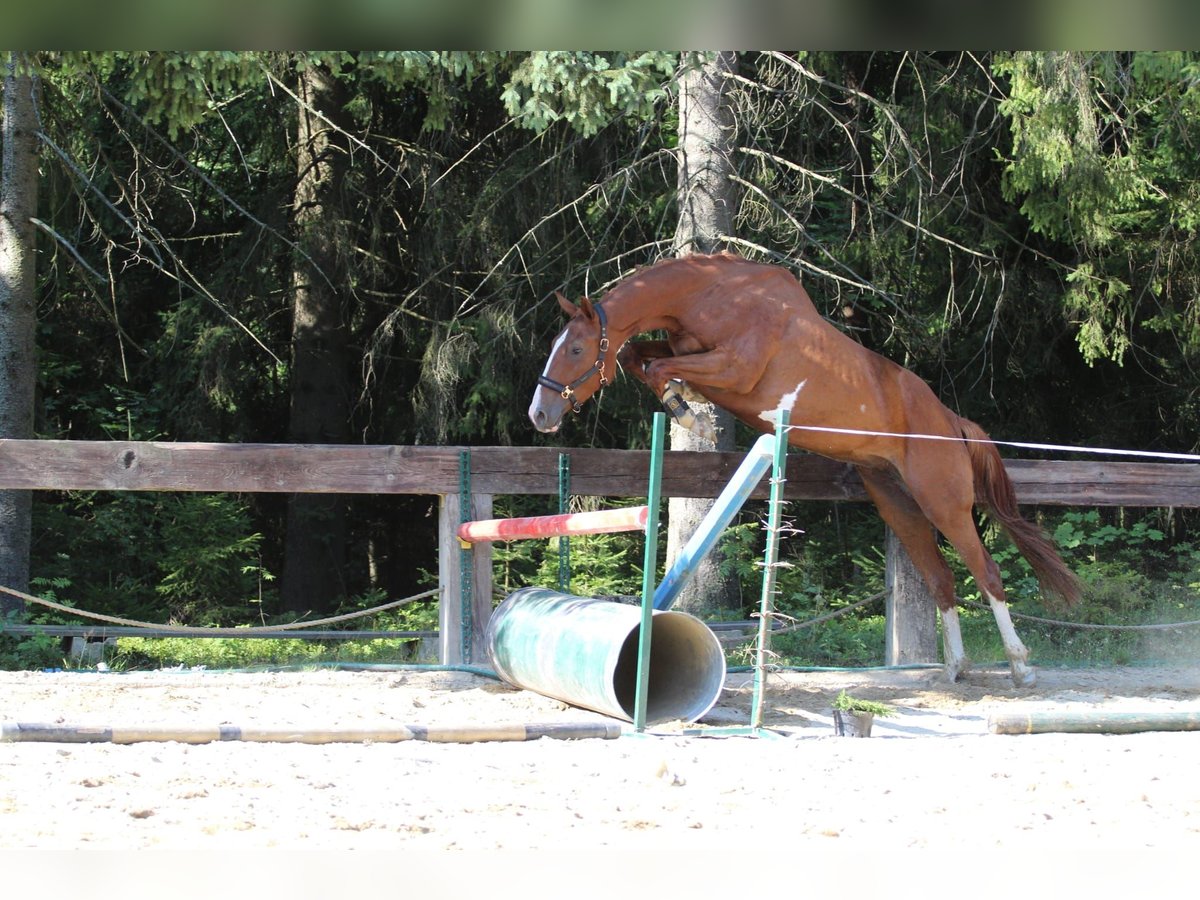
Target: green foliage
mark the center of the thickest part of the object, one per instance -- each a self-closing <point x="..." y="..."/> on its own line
<point x="239" y="653"/>
<point x="850" y="640"/>
<point x="1101" y="162"/>
<point x="741" y="548"/>
<point x="156" y="557"/>
<point x="600" y="564"/>
<point x="586" y="90"/>
<point x="1073" y="188"/>
<point x="1130" y="577"/>
<point x="1007" y="225"/>
<point x="38" y="650"/>
<point x="1088" y="538"/>
<point x="35" y="651"/>
<point x="846" y="703"/>
<point x="1091" y="544"/>
<point x="208" y="558"/>
<point x="178" y="88"/>
<point x="235" y="653"/>
<point x="823" y="569"/>
<point x="1099" y="305"/>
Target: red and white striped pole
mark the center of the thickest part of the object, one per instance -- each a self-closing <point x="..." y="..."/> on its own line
<point x="603" y="521"/>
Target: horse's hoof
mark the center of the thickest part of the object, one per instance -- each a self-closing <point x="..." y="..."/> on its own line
<point x="699" y="425"/>
<point x="689" y="393"/>
<point x="954" y="669"/>
<point x="1024" y="677"/>
<point x="704" y="429"/>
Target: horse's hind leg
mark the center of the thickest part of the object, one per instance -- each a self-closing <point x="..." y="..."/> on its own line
<point x="963" y="535"/>
<point x="915" y="532"/>
<point x="1018" y="655"/>
<point x="948" y="503"/>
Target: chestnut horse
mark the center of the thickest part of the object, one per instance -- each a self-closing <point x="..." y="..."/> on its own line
<point x="746" y="336"/>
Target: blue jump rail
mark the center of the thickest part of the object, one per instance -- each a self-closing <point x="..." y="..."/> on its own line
<point x="726" y="506"/>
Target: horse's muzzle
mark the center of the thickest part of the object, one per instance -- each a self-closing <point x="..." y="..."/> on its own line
<point x="540" y="423"/>
<point x="545" y="421"/>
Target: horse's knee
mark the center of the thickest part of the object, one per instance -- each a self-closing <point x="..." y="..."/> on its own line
<point x="629" y="359"/>
<point x="658" y="373"/>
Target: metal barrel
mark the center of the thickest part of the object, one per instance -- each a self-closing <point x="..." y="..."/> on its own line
<point x="584" y="651"/>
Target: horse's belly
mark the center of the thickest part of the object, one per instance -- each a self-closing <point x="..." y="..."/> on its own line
<point x="845" y="415"/>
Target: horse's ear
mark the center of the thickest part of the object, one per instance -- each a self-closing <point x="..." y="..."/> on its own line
<point x="567" y="306"/>
<point x="585" y="306"/>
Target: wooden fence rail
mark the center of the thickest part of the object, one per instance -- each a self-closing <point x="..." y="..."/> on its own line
<point x="330" y="469"/>
<point x="386" y="469"/>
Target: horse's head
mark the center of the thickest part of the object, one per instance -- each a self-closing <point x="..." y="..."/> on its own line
<point x="578" y="365"/>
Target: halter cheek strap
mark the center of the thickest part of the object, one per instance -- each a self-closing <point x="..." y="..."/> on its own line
<point x="567" y="391"/>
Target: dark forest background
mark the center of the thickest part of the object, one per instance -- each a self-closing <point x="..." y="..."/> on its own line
<point x="364" y="247"/>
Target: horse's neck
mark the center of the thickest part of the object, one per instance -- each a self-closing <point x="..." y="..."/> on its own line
<point x="649" y="303"/>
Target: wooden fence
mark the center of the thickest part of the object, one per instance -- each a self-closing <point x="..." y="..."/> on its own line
<point x="386" y="469"/>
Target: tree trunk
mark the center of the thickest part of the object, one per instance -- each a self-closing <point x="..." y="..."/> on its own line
<point x="315" y="552"/>
<point x="707" y="200"/>
<point x="18" y="363"/>
<point x="911" y="616"/>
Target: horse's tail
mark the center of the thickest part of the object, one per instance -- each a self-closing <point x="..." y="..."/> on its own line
<point x="994" y="490"/>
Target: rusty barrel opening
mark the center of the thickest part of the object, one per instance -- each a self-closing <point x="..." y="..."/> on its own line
<point x="686" y="673"/>
<point x="584" y="651"/>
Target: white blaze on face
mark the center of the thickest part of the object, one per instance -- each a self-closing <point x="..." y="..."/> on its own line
<point x="558" y="342"/>
<point x="787" y="401"/>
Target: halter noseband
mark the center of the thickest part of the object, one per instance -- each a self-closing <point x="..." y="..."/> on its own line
<point x="567" y="391"/>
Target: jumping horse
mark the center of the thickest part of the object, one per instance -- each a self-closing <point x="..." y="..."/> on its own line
<point x="746" y="336"/>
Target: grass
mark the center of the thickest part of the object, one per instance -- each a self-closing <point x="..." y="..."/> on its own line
<point x="1140" y="585"/>
<point x="135" y="653"/>
<point x="1065" y="646"/>
<point x="1112" y="598"/>
<point x="850" y="641"/>
<point x="236" y="653"/>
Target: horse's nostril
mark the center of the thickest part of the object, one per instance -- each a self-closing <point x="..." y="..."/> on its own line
<point x="539" y="418"/>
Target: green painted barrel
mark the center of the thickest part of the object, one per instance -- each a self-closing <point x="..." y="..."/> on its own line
<point x="584" y="651"/>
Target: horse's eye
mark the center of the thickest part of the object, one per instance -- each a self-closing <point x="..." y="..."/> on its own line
<point x="576" y="350"/>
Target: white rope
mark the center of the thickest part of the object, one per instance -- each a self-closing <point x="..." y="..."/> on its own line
<point x="1024" y="445"/>
<point x="1094" y="626"/>
<point x="210" y="631"/>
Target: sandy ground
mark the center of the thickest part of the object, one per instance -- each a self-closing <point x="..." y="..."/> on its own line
<point x="931" y="777"/>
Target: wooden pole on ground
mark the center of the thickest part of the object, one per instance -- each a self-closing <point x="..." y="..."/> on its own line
<point x="1091" y="721"/>
<point x="23" y="732"/>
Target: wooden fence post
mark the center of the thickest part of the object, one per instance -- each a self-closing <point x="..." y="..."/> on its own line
<point x="451" y="623"/>
<point x="911" y="613"/>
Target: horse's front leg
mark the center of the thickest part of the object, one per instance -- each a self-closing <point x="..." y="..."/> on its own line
<point x="636" y="358"/>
